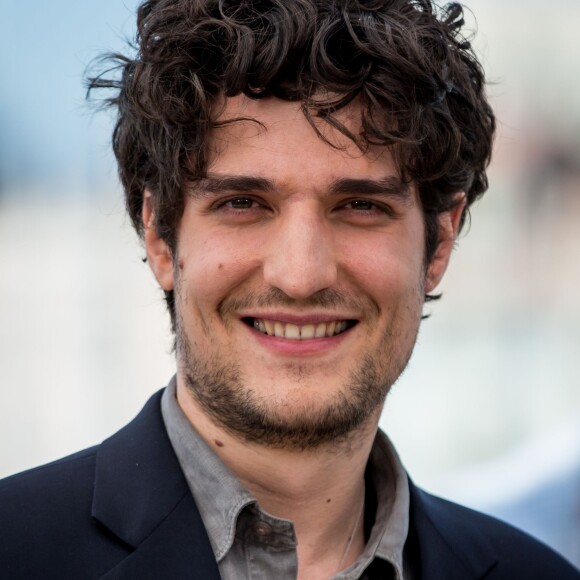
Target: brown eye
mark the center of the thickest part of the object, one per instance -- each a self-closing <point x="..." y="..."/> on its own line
<point x="241" y="203"/>
<point x="363" y="205"/>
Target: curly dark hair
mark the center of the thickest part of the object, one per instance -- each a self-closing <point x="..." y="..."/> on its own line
<point x="407" y="62"/>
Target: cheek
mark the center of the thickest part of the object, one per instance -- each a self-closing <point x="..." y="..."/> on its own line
<point x="388" y="265"/>
<point x="211" y="266"/>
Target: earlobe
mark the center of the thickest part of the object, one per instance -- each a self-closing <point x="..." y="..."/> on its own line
<point x="159" y="254"/>
<point x="449" y="222"/>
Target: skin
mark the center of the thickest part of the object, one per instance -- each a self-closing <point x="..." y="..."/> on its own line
<point x="300" y="251"/>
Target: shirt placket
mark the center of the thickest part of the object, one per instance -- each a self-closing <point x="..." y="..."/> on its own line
<point x="268" y="544"/>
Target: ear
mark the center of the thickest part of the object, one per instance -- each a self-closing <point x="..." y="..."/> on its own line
<point x="159" y="256"/>
<point x="448" y="228"/>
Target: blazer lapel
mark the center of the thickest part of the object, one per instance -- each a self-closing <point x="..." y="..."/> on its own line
<point x="448" y="547"/>
<point x="142" y="497"/>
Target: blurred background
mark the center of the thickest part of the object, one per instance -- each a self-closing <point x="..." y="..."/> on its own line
<point x="488" y="413"/>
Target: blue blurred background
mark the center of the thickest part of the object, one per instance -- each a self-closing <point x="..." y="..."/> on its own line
<point x="488" y="412"/>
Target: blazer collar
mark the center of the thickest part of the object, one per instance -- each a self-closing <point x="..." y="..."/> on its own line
<point x="448" y="545"/>
<point x="142" y="497"/>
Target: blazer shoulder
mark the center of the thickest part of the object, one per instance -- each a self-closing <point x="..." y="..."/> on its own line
<point x="46" y="522"/>
<point x="47" y="497"/>
<point x="67" y="471"/>
<point x="518" y="554"/>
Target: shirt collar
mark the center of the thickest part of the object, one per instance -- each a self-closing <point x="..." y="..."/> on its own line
<point x="392" y="487"/>
<point x="217" y="492"/>
<point x="220" y="497"/>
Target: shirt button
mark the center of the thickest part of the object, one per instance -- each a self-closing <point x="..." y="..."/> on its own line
<point x="262" y="529"/>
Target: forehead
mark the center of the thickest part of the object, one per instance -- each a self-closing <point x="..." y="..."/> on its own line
<point x="273" y="138"/>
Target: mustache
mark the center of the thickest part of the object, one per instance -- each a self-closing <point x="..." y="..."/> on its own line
<point x="272" y="297"/>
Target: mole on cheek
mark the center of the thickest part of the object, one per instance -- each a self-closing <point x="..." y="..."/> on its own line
<point x="328" y="500"/>
<point x="218" y="443"/>
<point x="220" y="266"/>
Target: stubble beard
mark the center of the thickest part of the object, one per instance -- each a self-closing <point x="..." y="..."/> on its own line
<point x="226" y="396"/>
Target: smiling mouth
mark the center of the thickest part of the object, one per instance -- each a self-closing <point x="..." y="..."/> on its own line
<point x="291" y="331"/>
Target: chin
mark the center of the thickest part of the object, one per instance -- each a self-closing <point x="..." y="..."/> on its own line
<point x="302" y="418"/>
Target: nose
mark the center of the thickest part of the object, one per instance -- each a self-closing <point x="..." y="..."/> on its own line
<point x="301" y="258"/>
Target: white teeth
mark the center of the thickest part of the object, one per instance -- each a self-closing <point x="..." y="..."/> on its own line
<point x="330" y="327"/>
<point x="295" y="332"/>
<point x="292" y="332"/>
<point x="279" y="329"/>
<point x="307" y="331"/>
<point x="320" y="330"/>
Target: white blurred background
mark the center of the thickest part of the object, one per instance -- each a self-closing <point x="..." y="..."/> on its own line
<point x="488" y="413"/>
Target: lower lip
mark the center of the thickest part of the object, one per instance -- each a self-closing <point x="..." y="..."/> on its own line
<point x="298" y="347"/>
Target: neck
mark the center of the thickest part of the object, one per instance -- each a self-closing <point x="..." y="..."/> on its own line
<point x="321" y="490"/>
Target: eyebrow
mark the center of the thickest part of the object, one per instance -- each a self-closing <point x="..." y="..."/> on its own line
<point x="390" y="186"/>
<point x="234" y="183"/>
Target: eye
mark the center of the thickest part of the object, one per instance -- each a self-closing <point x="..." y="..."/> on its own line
<point x="362" y="205"/>
<point x="367" y="212"/>
<point x="365" y="206"/>
<point x="240" y="207"/>
<point x="240" y="203"/>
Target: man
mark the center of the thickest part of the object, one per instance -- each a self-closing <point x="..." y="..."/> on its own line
<point x="299" y="171"/>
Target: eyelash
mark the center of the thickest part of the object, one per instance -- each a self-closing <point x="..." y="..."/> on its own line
<point x="373" y="206"/>
<point x="375" y="209"/>
<point x="223" y="204"/>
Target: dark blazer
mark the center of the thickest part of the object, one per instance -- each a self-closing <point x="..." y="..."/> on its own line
<point x="122" y="510"/>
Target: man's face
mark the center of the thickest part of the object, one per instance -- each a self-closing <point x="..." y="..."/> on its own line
<point x="299" y="278"/>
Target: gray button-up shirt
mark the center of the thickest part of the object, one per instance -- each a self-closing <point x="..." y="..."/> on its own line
<point x="250" y="544"/>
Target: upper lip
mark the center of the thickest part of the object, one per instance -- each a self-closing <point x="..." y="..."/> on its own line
<point x="298" y="319"/>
